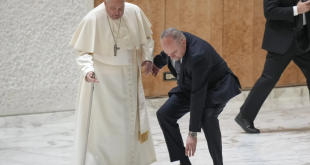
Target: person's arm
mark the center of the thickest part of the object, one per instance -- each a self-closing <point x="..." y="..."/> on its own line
<point x="86" y="66"/>
<point x="85" y="62"/>
<point x="147" y="55"/>
<point x="161" y="60"/>
<point x="201" y="66"/>
<point x="147" y="51"/>
<point x="273" y="11"/>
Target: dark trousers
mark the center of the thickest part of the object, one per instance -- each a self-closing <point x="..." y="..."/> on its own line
<point x="176" y="107"/>
<point x="273" y="69"/>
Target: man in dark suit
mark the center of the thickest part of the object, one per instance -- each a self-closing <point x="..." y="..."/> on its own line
<point x="286" y="38"/>
<point x="205" y="85"/>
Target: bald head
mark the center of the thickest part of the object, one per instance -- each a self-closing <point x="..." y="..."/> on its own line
<point x="174" y="33"/>
<point x="115" y="8"/>
<point x="173" y="43"/>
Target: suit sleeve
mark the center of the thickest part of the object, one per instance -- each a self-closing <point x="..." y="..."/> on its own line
<point x="201" y="67"/>
<point x="161" y="60"/>
<point x="273" y="11"/>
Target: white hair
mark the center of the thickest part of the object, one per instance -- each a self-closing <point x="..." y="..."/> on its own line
<point x="174" y="33"/>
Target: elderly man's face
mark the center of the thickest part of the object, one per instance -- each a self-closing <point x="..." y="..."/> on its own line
<point x="115" y="8"/>
<point x="173" y="49"/>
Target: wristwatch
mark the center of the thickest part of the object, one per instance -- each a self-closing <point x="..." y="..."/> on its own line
<point x="192" y="134"/>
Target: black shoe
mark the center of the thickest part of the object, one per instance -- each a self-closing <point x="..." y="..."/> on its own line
<point x="246" y="125"/>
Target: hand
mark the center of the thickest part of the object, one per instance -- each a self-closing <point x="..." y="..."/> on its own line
<point x="155" y="70"/>
<point x="303" y="7"/>
<point x="148" y="67"/>
<point x="90" y="77"/>
<point x="191" y="144"/>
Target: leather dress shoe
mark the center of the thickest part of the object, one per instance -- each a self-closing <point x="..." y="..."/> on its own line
<point x="246" y="125"/>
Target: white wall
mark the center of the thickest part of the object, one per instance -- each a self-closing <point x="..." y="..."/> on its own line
<point x="37" y="68"/>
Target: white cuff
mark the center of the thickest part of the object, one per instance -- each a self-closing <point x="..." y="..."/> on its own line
<point x="295" y="10"/>
<point x="86" y="70"/>
<point x="148" y="50"/>
<point x="85" y="63"/>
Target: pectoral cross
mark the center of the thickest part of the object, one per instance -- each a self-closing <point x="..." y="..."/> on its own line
<point x="115" y="49"/>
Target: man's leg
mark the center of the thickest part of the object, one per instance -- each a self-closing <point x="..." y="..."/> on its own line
<point x="211" y="129"/>
<point x="303" y="62"/>
<point x="168" y="115"/>
<point x="273" y="69"/>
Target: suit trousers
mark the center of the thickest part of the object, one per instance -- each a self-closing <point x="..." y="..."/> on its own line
<point x="274" y="66"/>
<point x="176" y="107"/>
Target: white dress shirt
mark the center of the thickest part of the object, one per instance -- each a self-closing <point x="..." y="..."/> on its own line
<point x="173" y="62"/>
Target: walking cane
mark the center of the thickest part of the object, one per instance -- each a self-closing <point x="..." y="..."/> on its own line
<point x="88" y="120"/>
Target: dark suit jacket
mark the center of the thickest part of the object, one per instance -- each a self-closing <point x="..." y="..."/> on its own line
<point x="280" y="25"/>
<point x="204" y="77"/>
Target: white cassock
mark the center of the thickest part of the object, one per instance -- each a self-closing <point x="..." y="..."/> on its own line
<point x="119" y="127"/>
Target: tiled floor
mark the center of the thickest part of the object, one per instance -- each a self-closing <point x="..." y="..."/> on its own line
<point x="47" y="139"/>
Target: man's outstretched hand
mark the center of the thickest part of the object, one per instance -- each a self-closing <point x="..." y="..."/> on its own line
<point x="155" y="70"/>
